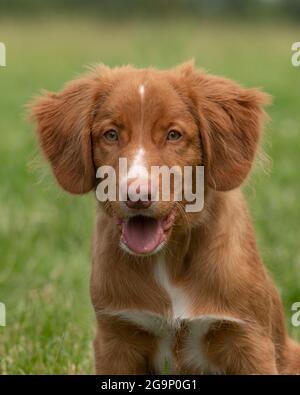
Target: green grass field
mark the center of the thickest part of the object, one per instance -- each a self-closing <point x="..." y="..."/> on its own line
<point x="45" y="235"/>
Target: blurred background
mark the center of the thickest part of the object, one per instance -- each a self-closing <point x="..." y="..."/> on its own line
<point x="45" y="234"/>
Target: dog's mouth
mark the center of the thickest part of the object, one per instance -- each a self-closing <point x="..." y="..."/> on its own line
<point x="143" y="235"/>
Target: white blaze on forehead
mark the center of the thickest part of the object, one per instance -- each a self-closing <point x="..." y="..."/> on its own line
<point x="139" y="157"/>
<point x="137" y="168"/>
<point x="142" y="91"/>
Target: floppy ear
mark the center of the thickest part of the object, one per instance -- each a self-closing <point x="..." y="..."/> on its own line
<point x="63" y="127"/>
<point x="231" y="119"/>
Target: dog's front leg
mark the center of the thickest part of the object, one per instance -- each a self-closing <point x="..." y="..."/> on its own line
<point x="121" y="348"/>
<point x="240" y="349"/>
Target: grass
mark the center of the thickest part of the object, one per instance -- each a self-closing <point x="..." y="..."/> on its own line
<point x="45" y="234"/>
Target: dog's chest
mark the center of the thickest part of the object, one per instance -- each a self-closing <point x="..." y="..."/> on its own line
<point x="167" y="330"/>
<point x="191" y="329"/>
<point x="180" y="335"/>
<point x="180" y="322"/>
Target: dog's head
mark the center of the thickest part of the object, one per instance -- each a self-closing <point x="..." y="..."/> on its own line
<point x="181" y="117"/>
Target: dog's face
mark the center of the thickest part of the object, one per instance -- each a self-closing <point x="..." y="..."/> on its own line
<point x="180" y="117"/>
<point x="145" y="121"/>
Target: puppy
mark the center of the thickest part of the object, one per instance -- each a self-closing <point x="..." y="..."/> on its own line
<point x="173" y="291"/>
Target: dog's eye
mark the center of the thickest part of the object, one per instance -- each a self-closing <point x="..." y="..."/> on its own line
<point x="111" y="135"/>
<point x="174" y="135"/>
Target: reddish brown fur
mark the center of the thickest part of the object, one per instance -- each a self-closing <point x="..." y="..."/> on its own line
<point x="212" y="254"/>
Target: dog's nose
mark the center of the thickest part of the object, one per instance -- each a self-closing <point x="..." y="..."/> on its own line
<point x="138" y="194"/>
<point x="139" y="204"/>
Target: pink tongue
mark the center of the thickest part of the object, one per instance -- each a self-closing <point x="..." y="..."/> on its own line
<point x="142" y="234"/>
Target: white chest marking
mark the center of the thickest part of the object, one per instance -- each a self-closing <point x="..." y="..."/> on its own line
<point x="164" y="354"/>
<point x="177" y="296"/>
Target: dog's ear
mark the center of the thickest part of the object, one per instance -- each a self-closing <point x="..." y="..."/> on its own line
<point x="64" y="131"/>
<point x="231" y="120"/>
